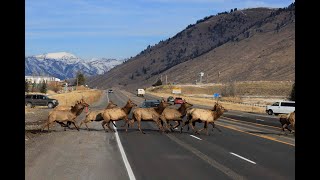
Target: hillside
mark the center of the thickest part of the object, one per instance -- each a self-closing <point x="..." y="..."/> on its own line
<point x="249" y="44"/>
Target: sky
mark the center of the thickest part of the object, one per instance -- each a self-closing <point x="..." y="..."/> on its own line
<point x="116" y="28"/>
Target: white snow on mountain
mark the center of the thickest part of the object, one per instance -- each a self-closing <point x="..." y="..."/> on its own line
<point x="64" y="65"/>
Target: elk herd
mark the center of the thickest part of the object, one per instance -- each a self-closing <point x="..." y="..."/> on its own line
<point x="161" y="116"/>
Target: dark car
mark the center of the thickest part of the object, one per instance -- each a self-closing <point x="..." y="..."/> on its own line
<point x="150" y="103"/>
<point x="32" y="100"/>
<point x="170" y="99"/>
<point x="110" y="91"/>
<point x="178" y="100"/>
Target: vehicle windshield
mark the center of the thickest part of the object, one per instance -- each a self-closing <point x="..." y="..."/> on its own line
<point x="275" y="104"/>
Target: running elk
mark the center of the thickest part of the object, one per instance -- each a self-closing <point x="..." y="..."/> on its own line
<point x="205" y="116"/>
<point x="61" y="116"/>
<point x="117" y="114"/>
<point x="170" y="114"/>
<point x="286" y="120"/>
<point x="149" y="114"/>
<point x="96" y="115"/>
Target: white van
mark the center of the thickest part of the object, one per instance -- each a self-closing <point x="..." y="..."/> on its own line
<point x="281" y="107"/>
<point x="140" y="92"/>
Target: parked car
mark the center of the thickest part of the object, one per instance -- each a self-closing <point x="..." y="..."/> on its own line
<point x="281" y="107"/>
<point x="150" y="103"/>
<point x="110" y="91"/>
<point x="32" y="100"/>
<point x="170" y="99"/>
<point x="178" y="100"/>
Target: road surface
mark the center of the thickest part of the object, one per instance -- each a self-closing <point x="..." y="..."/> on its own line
<point x="243" y="150"/>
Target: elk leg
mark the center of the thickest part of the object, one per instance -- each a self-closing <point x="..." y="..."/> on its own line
<point x="177" y="124"/>
<point x="139" y="127"/>
<point x="87" y="126"/>
<point x="75" y="126"/>
<point x="183" y="124"/>
<point x="103" y="123"/>
<point x="111" y="129"/>
<point x="214" y="126"/>
<point x="191" y="124"/>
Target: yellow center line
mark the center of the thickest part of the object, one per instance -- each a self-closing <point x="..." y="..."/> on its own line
<point x="231" y="119"/>
<point x="262" y="136"/>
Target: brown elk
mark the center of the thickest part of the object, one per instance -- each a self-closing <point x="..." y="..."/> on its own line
<point x="206" y="116"/>
<point x="77" y="106"/>
<point x="96" y="115"/>
<point x="286" y="120"/>
<point x="149" y="114"/>
<point x="170" y="114"/>
<point x="117" y="114"/>
<point x="65" y="116"/>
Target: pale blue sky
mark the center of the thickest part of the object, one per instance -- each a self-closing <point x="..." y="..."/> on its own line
<point x="116" y="28"/>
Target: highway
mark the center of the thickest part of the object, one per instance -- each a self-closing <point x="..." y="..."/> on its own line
<point x="243" y="150"/>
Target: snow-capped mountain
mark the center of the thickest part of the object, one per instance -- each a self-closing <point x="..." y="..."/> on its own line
<point x="65" y="65"/>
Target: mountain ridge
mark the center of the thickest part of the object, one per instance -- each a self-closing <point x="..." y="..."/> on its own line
<point x="211" y="40"/>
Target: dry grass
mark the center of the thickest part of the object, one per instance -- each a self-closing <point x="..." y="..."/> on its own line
<point x="242" y="88"/>
<point x="210" y="102"/>
<point x="70" y="98"/>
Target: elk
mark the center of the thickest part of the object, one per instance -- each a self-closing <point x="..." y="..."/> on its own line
<point x="170" y="114"/>
<point x="61" y="116"/>
<point x="96" y="115"/>
<point x="77" y="105"/>
<point x="149" y="114"/>
<point x="286" y="120"/>
<point x="117" y="114"/>
<point x="206" y="116"/>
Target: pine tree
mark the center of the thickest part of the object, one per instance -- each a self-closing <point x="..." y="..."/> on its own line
<point x="43" y="87"/>
<point x="158" y="83"/>
<point x="293" y="93"/>
<point x="80" y="78"/>
<point x="26" y="86"/>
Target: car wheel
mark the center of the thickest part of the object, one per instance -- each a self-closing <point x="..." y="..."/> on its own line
<point x="29" y="105"/>
<point x="270" y="112"/>
<point x="50" y="105"/>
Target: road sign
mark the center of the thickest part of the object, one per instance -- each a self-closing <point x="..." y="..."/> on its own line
<point x="176" y="90"/>
<point x="216" y="95"/>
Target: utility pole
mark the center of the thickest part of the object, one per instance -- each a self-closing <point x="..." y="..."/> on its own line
<point x="166" y="79"/>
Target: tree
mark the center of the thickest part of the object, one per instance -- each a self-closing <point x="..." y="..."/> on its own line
<point x="80" y="78"/>
<point x="33" y="89"/>
<point x="231" y="10"/>
<point x="43" y="87"/>
<point x="293" y="93"/>
<point x="158" y="83"/>
<point x="26" y="86"/>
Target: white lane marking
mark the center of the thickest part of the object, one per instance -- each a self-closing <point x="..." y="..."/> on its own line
<point x="259" y="119"/>
<point x="124" y="157"/>
<point x="195" y="137"/>
<point x="242" y="158"/>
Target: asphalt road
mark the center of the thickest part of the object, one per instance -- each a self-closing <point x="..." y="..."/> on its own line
<point x="243" y="150"/>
